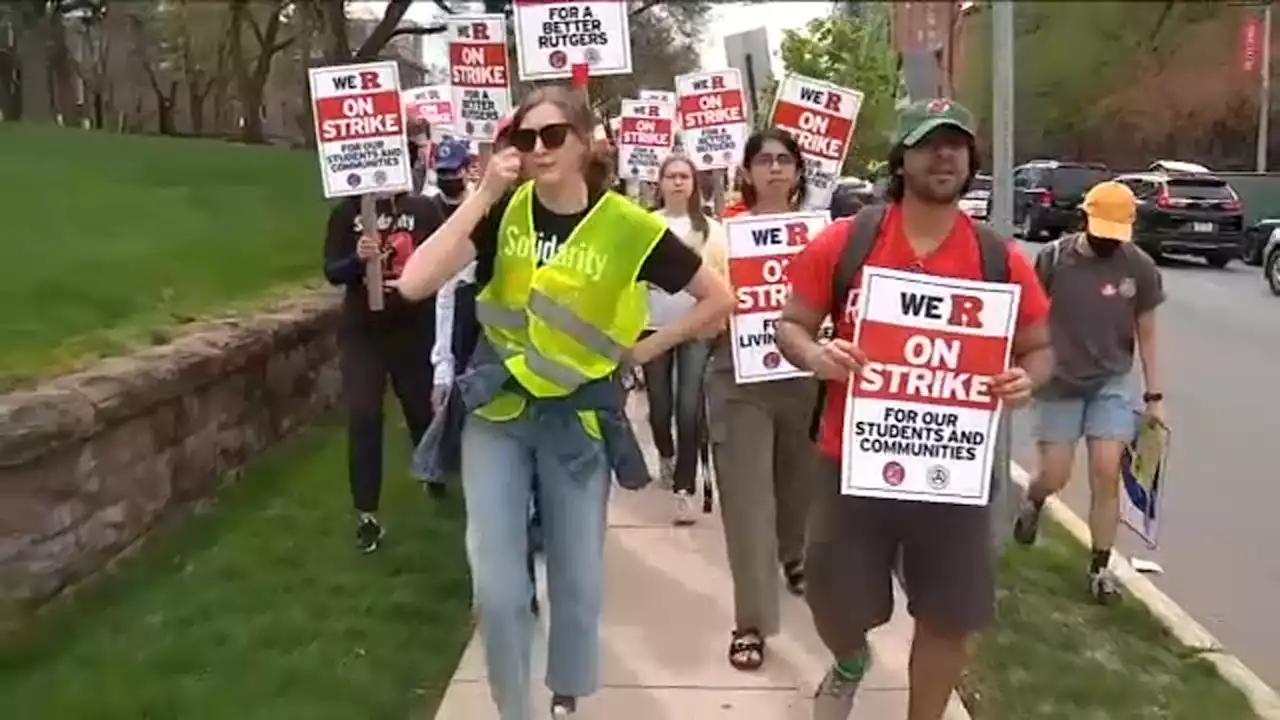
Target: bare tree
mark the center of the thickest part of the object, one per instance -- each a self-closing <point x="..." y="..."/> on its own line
<point x="201" y="32"/>
<point x="253" y="67"/>
<point x="154" y="53"/>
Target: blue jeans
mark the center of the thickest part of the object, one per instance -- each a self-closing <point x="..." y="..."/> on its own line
<point x="1108" y="413"/>
<point x="498" y="463"/>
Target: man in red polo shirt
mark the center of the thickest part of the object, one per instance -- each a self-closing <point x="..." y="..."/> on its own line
<point x="855" y="542"/>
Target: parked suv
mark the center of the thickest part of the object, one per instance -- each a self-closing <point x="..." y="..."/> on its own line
<point x="1047" y="196"/>
<point x="1187" y="214"/>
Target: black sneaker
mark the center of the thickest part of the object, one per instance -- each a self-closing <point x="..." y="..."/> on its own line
<point x="1027" y="526"/>
<point x="368" y="535"/>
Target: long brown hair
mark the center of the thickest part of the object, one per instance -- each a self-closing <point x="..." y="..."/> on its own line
<point x="597" y="165"/>
<point x="697" y="218"/>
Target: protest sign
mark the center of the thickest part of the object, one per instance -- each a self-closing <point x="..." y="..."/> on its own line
<point x="712" y="113"/>
<point x="920" y="421"/>
<point x="478" y="74"/>
<point x="760" y="247"/>
<point x="644" y="139"/>
<point x="433" y="103"/>
<point x="665" y="97"/>
<point x="552" y="36"/>
<point x="821" y="117"/>
<point x="360" y="135"/>
<point x="1142" y="475"/>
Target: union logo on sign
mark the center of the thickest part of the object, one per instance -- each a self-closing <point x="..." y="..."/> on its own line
<point x="772" y="360"/>
<point x="353" y="180"/>
<point x="894" y="473"/>
<point x="380" y="178"/>
<point x="558" y="59"/>
<point x="592" y="56"/>
<point x="938" y="477"/>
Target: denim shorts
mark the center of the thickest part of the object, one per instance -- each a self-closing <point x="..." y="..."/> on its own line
<point x="1108" y="413"/>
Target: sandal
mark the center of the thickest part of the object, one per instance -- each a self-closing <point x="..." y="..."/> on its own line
<point x="746" y="650"/>
<point x="794" y="573"/>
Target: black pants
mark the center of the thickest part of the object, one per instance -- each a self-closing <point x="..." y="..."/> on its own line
<point x="673" y="384"/>
<point x="466" y="329"/>
<point x="397" y="346"/>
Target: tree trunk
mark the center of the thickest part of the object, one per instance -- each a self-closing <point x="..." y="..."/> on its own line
<point x="164" y="109"/>
<point x="251" y="109"/>
<point x="335" y="20"/>
<point x="33" y="69"/>
<point x="10" y="99"/>
<point x="62" y="74"/>
<point x="195" y="107"/>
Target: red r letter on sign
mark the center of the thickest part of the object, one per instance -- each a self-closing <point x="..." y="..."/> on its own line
<point x="797" y="234"/>
<point x="965" y="311"/>
<point x="369" y="81"/>
<point x="480" y="31"/>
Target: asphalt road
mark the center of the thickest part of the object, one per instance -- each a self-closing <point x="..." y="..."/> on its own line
<point x="1220" y="544"/>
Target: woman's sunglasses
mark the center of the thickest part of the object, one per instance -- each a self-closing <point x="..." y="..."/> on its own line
<point x="553" y="137"/>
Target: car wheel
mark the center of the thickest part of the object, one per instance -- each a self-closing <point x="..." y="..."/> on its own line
<point x="1252" y="253"/>
<point x="1271" y="270"/>
<point x="1218" y="260"/>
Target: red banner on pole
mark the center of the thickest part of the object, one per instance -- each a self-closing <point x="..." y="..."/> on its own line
<point x="1249" y="44"/>
<point x="581" y="74"/>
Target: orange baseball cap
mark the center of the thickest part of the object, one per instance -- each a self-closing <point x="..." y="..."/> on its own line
<point x="1110" y="210"/>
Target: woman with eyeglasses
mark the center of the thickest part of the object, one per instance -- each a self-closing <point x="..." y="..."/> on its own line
<point x="760" y="435"/>
<point x="562" y="307"/>
<point x="674" y="380"/>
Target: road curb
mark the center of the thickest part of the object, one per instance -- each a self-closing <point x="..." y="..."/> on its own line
<point x="1265" y="701"/>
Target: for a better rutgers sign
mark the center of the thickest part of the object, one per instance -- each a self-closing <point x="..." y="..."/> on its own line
<point x="478" y="74"/>
<point x="645" y="137"/>
<point x="360" y="135"/>
<point x="821" y="117"/>
<point x="712" y="112"/>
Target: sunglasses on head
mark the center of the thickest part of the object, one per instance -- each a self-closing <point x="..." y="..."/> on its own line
<point x="553" y="137"/>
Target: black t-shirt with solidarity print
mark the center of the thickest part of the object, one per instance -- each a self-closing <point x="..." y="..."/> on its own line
<point x="670" y="266"/>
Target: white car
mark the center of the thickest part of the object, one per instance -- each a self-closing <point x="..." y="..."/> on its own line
<point x="977" y="202"/>
<point x="1271" y="262"/>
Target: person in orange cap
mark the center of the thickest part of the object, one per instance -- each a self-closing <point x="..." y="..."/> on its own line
<point x="1104" y="292"/>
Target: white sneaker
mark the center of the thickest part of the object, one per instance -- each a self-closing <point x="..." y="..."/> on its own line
<point x="686" y="511"/>
<point x="666" y="473"/>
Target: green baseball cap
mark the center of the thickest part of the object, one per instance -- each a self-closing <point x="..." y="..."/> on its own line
<point x="923" y="116"/>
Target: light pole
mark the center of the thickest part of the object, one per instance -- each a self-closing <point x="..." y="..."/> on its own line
<point x="1264" y="90"/>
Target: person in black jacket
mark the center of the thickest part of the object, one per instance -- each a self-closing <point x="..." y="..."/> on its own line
<point x="392" y="343"/>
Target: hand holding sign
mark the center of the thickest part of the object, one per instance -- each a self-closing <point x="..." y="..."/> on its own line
<point x="836" y="360"/>
<point x="367" y="248"/>
<point x="1013" y="386"/>
<point x="501" y="172"/>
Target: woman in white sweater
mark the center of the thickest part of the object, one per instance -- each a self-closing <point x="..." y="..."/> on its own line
<point x="673" y="380"/>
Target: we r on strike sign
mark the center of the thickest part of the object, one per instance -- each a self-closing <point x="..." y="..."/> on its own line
<point x="821" y="117"/>
<point x="760" y="247"/>
<point x="712" y="112"/>
<point x="920" y="420"/>
<point x="645" y="137"/>
<point x="360" y="135"/>
<point x="478" y="74"/>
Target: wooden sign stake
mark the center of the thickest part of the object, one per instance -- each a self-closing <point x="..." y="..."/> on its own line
<point x="372" y="268"/>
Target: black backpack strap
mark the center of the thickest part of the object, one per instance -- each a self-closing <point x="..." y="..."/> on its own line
<point x="863" y="230"/>
<point x="994" y="251"/>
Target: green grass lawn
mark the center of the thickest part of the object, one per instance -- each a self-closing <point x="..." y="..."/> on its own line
<point x="262" y="609"/>
<point x="1055" y="655"/>
<point x="108" y="237"/>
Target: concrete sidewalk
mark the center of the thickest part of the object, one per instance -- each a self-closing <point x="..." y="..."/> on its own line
<point x="667" y="618"/>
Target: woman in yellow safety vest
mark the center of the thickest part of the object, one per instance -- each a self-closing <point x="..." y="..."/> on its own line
<point x="562" y="265"/>
<point x="760" y="440"/>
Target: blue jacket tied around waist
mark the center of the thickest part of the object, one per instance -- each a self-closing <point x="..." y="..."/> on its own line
<point x="556" y="427"/>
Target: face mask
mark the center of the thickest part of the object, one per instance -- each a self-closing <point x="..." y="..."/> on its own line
<point x="1102" y="247"/>
<point x="451" y="187"/>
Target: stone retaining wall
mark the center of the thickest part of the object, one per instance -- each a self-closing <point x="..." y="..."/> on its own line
<point x="89" y="461"/>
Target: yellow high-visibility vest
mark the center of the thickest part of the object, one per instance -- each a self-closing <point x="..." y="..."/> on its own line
<point x="569" y="321"/>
